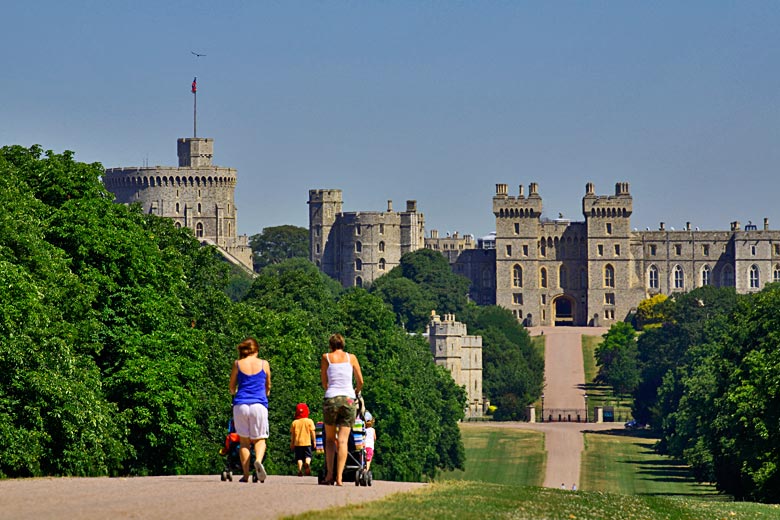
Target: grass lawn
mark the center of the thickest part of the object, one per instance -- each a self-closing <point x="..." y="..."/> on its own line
<point x="483" y="500"/>
<point x="624" y="462"/>
<point x="598" y="394"/>
<point x="501" y="455"/>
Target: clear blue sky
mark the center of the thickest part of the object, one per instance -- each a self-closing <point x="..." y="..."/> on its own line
<point x="434" y="101"/>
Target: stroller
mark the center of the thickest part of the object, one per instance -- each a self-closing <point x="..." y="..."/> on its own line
<point x="355" y="468"/>
<point x="232" y="458"/>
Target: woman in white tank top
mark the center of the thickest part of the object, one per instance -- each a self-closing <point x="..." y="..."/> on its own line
<point x="340" y="407"/>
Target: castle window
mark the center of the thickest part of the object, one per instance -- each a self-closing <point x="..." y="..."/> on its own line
<point x="652" y="277"/>
<point x="382" y="264"/>
<point x="317" y="248"/>
<point x="178" y="225"/>
<point x="562" y="277"/>
<point x="706" y="276"/>
<point x="381" y="229"/>
<point x="199" y="230"/>
<point x="358" y="247"/>
<point x="177" y="207"/>
<point x="609" y="314"/>
<point x="677" y="249"/>
<point x="508" y="250"/>
<point x="543" y="277"/>
<point x="517" y="298"/>
<point x="525" y="250"/>
<point x="727" y="277"/>
<point x="198" y="193"/>
<point x="517" y="228"/>
<point x="776" y="274"/>
<point x="600" y="250"/>
<point x="652" y="249"/>
<point x="199" y="208"/>
<point x="317" y="231"/>
<point x="609" y="228"/>
<point x="752" y="250"/>
<point x="381" y="247"/>
<point x="705" y="250"/>
<point x="358" y="281"/>
<point x="754" y="276"/>
<point x="487" y="279"/>
<point x="609" y="298"/>
<point x="358" y="264"/>
<point x="609" y="276"/>
<point x="777" y="249"/>
<point x="544" y="299"/>
<point x="583" y="279"/>
<point x="617" y="249"/>
<point x="679" y="277"/>
<point x="357" y="229"/>
<point x="517" y="276"/>
<point x="543" y="249"/>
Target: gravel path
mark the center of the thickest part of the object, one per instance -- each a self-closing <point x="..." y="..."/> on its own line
<point x="194" y="496"/>
<point x="564" y="377"/>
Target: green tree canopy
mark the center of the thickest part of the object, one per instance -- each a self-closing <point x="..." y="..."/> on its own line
<point x="278" y="243"/>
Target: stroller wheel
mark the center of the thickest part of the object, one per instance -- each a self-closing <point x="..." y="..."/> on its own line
<point x="369" y="477"/>
<point x="358" y="476"/>
<point x="230" y="476"/>
<point x="223" y="477"/>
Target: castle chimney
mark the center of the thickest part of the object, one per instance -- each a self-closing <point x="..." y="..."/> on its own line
<point x="663" y="226"/>
<point x="411" y="206"/>
<point x="434" y="233"/>
<point x="766" y="224"/>
<point x="735" y="225"/>
<point x="501" y="190"/>
<point x="533" y="189"/>
<point x="522" y="194"/>
<point x="687" y="226"/>
<point x="589" y="189"/>
<point x="389" y="206"/>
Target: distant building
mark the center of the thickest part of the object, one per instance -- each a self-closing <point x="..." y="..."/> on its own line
<point x="196" y="194"/>
<point x="461" y="355"/>
<point x="450" y="246"/>
<point x="356" y="248"/>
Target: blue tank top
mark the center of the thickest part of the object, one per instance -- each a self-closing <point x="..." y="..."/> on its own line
<point x="251" y="389"/>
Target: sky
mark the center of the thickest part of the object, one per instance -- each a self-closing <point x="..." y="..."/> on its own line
<point x="434" y="101"/>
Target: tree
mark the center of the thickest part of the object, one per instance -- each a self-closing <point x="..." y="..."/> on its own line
<point x="650" y="312"/>
<point x="616" y="357"/>
<point x="279" y="243"/>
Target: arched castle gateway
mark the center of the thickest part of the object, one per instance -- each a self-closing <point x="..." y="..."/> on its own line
<point x="196" y="194"/>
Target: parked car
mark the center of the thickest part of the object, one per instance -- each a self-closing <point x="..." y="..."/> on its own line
<point x="633" y="424"/>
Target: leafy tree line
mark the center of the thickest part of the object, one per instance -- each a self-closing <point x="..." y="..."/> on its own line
<point x="513" y="372"/>
<point x="117" y="337"/>
<point x="709" y="385"/>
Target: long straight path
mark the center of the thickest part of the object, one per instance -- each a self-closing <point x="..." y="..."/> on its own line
<point x="564" y="376"/>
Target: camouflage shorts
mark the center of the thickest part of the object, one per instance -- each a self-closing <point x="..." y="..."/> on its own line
<point x="339" y="411"/>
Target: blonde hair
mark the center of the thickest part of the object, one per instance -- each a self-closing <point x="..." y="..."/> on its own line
<point x="247" y="347"/>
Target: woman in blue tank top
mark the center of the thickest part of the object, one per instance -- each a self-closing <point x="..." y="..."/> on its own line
<point x="250" y="384"/>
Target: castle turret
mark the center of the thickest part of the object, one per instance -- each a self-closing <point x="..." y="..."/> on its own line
<point x="324" y="207"/>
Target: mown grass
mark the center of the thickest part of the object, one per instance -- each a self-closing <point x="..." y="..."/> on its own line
<point x="483" y="500"/>
<point x="599" y="394"/>
<point x="501" y="455"/>
<point x="623" y="461"/>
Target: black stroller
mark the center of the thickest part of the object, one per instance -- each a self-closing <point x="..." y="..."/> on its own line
<point x="232" y="457"/>
<point x="355" y="468"/>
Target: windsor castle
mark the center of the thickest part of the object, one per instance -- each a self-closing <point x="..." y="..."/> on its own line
<point x="549" y="271"/>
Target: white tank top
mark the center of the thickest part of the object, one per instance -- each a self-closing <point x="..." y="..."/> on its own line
<point x="339" y="379"/>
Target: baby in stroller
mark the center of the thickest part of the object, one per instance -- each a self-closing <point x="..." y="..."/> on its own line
<point x="232" y="457"/>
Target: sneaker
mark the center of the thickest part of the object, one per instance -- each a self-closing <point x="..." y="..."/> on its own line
<point x="260" y="470"/>
<point x="300" y="473"/>
<point x="307" y="470"/>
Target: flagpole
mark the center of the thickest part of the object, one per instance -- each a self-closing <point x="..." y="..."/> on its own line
<point x="195" y="113"/>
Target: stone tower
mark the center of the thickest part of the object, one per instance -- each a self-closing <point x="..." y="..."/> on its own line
<point x="358" y="247"/>
<point x="611" y="273"/>
<point x="461" y="355"/>
<point x="196" y="194"/>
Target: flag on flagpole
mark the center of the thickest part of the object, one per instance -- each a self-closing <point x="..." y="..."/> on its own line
<point x="195" y="85"/>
